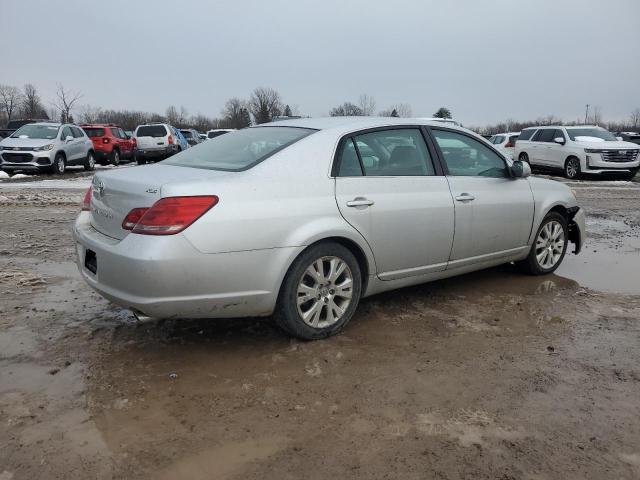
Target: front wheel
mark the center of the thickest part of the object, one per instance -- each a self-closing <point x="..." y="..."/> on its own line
<point x="90" y="162"/>
<point x="59" y="165"/>
<point x="320" y="292"/>
<point x="549" y="247"/>
<point x="572" y="168"/>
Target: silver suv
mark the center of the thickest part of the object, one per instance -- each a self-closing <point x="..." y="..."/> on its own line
<point x="47" y="146"/>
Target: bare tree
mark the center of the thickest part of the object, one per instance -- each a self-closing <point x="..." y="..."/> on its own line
<point x="635" y="118"/>
<point x="264" y="104"/>
<point x="400" y="109"/>
<point x="367" y="104"/>
<point x="90" y="114"/>
<point x="10" y="98"/>
<point x="347" y="109"/>
<point x="66" y="99"/>
<point x="32" y="104"/>
<point x="172" y="115"/>
<point x="595" y="117"/>
<point x="235" y="113"/>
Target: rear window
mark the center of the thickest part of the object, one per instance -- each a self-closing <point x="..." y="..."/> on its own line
<point x="186" y="133"/>
<point x="526" y="134"/>
<point x="239" y="150"/>
<point x="216" y="134"/>
<point x="151" y="131"/>
<point x="94" y="132"/>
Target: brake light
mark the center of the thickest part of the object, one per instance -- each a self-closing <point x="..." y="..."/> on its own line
<point x="86" y="201"/>
<point x="133" y="217"/>
<point x="105" y="140"/>
<point x="510" y="144"/>
<point x="170" y="215"/>
<point x="170" y="140"/>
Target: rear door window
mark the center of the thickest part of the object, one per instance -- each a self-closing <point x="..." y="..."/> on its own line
<point x="349" y="163"/>
<point x="77" y="132"/>
<point x="394" y="153"/>
<point x="114" y="132"/>
<point x="526" y="134"/>
<point x="151" y="131"/>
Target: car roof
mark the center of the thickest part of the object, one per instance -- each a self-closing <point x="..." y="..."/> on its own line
<point x="48" y="124"/>
<point x="564" y="126"/>
<point x="355" y="123"/>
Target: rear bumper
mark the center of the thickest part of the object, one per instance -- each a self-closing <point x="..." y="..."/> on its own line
<point x="156" y="152"/>
<point x="166" y="277"/>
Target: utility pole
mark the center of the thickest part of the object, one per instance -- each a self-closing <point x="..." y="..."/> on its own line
<point x="586" y="114"/>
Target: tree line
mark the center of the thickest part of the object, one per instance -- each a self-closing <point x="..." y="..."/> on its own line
<point x="261" y="106"/>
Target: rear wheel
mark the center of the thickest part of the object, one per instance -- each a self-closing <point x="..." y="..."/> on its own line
<point x="115" y="157"/>
<point x="549" y="247"/>
<point x="524" y="158"/>
<point x="320" y="292"/>
<point x="59" y="165"/>
<point x="90" y="162"/>
<point x="572" y="168"/>
<point x="141" y="160"/>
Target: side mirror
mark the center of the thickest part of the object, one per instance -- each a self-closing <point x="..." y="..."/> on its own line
<point x="68" y="138"/>
<point x="559" y="140"/>
<point x="520" y="169"/>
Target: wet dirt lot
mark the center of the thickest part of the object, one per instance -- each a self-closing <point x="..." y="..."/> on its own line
<point x="493" y="375"/>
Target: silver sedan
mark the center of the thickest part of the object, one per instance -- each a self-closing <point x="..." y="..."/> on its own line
<point x="303" y="218"/>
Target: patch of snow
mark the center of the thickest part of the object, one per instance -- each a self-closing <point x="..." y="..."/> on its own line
<point x="3" y="174"/>
<point x="67" y="184"/>
<point x="19" y="175"/>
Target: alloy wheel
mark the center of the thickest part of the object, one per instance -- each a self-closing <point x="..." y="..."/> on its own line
<point x="550" y="245"/>
<point x="573" y="167"/>
<point x="324" y="292"/>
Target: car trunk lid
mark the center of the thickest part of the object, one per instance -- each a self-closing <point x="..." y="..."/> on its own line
<point x="117" y="192"/>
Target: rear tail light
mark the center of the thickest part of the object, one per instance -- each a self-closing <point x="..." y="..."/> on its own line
<point x="133" y="217"/>
<point x="86" y="201"/>
<point x="168" y="216"/>
<point x="105" y="140"/>
<point x="134" y="142"/>
<point x="510" y="145"/>
<point x="170" y="140"/>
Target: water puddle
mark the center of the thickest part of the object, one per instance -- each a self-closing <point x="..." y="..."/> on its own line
<point x="607" y="268"/>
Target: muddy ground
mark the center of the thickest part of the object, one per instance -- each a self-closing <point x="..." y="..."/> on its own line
<point x="493" y="375"/>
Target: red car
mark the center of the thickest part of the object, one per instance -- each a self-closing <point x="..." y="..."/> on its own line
<point x="110" y="143"/>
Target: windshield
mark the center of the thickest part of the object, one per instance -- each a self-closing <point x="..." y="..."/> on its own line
<point x="43" y="132"/>
<point x="151" y="131"/>
<point x="239" y="150"/>
<point x="600" y="133"/>
<point x="94" y="132"/>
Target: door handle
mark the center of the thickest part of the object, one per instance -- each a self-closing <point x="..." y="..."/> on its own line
<point x="360" y="202"/>
<point x="465" y="197"/>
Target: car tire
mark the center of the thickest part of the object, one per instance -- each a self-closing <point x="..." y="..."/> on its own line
<point x="315" y="303"/>
<point x="141" y="160"/>
<point x="90" y="162"/>
<point x="524" y="157"/>
<point x="114" y="158"/>
<point x="545" y="255"/>
<point x="572" y="169"/>
<point x="59" y="164"/>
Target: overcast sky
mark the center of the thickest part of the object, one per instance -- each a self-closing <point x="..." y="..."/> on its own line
<point x="485" y="60"/>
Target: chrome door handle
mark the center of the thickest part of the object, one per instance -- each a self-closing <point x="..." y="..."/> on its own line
<point x="465" y="197"/>
<point x="360" y="202"/>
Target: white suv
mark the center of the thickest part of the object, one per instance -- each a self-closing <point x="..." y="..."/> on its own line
<point x="155" y="141"/>
<point x="47" y="146"/>
<point x="577" y="150"/>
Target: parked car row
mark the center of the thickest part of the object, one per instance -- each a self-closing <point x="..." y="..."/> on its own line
<point x="43" y="145"/>
<point x="574" y="150"/>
